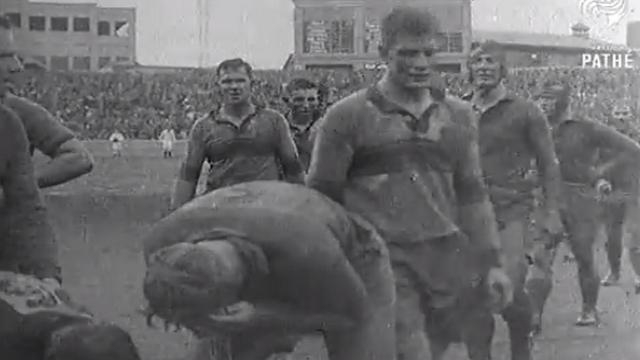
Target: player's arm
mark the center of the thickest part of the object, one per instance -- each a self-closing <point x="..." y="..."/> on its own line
<point x="69" y="158"/>
<point x="476" y="216"/>
<point x="332" y="153"/>
<point x="540" y="138"/>
<point x="277" y="316"/>
<point x="286" y="151"/>
<point x="187" y="182"/>
<point x="28" y="240"/>
<point x="627" y="151"/>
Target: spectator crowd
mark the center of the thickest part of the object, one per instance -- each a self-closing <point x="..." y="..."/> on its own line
<point x="140" y="105"/>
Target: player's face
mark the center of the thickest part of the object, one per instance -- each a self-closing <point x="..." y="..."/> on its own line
<point x="485" y="70"/>
<point x="410" y="60"/>
<point x="11" y="67"/>
<point x="621" y="113"/>
<point x="235" y="85"/>
<point x="304" y="103"/>
<point x="547" y="105"/>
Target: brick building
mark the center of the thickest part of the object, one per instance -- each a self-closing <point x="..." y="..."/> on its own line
<point x="344" y="34"/>
<point x="82" y="37"/>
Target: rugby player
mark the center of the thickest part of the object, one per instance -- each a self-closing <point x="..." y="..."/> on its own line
<point x="167" y="138"/>
<point x="283" y="261"/>
<point x="404" y="156"/>
<point x="39" y="321"/>
<point x="69" y="158"/>
<point x="241" y="141"/>
<point x="117" y="142"/>
<point x="303" y="99"/>
<point x="515" y="138"/>
<point x="600" y="173"/>
<point x="36" y="315"/>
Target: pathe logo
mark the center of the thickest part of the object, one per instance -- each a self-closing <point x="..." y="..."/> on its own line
<point x="608" y="60"/>
<point x="611" y="11"/>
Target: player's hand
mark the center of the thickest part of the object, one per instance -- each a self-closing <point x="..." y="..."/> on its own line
<point x="500" y="289"/>
<point x="552" y="223"/>
<point x="603" y="188"/>
<point x="234" y="318"/>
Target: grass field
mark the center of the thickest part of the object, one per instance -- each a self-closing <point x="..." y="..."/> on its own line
<point x="100" y="218"/>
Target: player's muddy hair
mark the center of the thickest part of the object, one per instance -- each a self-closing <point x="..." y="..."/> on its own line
<point x="488" y="47"/>
<point x="95" y="341"/>
<point x="561" y="92"/>
<point x="301" y="83"/>
<point x="235" y="63"/>
<point x="405" y="20"/>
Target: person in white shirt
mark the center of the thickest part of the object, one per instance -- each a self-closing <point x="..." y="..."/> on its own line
<point x="167" y="138"/>
<point x="117" y="140"/>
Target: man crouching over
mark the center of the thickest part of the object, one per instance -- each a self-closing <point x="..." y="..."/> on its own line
<point x="263" y="263"/>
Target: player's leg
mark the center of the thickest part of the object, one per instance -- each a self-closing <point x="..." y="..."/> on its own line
<point x="519" y="314"/>
<point x="457" y="308"/>
<point x="614" y="217"/>
<point x="582" y="221"/>
<point x="632" y="227"/>
<point x="540" y="275"/>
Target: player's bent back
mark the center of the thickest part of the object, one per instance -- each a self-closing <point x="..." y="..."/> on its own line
<point x="320" y="258"/>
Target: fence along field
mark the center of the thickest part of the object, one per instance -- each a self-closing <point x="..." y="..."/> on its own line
<point x="99" y="220"/>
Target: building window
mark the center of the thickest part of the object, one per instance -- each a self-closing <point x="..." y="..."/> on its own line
<point x="82" y="63"/>
<point x="122" y="59"/>
<point x="103" y="61"/>
<point x="37" y="23"/>
<point x="454" y="42"/>
<point x="81" y="24"/>
<point x="15" y="18"/>
<point x="104" y="28"/>
<point x="59" y="63"/>
<point x="450" y="42"/>
<point x="122" y="29"/>
<point x="329" y="36"/>
<point x="59" y="24"/>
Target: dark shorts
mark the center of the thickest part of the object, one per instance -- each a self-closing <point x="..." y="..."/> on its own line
<point x="436" y="282"/>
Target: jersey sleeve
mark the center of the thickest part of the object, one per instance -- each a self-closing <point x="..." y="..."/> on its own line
<point x="196" y="154"/>
<point x="467" y="177"/>
<point x="332" y="153"/>
<point x="44" y="131"/>
<point x="28" y="241"/>
<point x="286" y="148"/>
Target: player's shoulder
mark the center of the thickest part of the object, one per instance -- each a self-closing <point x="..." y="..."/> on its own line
<point x="9" y="121"/>
<point x="347" y="110"/>
<point x="460" y="112"/>
<point x="21" y="104"/>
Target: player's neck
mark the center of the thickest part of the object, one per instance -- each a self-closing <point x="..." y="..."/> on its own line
<point x="414" y="100"/>
<point x="487" y="97"/>
<point x="238" y="110"/>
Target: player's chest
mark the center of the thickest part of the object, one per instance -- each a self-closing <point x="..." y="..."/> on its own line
<point x="570" y="142"/>
<point x="501" y="128"/>
<point x="227" y="139"/>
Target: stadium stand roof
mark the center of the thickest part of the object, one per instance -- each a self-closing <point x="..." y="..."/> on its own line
<point x="516" y="38"/>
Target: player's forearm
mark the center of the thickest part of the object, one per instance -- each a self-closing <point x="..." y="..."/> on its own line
<point x="183" y="192"/>
<point x="551" y="183"/>
<point x="283" y="317"/>
<point x="477" y="220"/>
<point x="62" y="169"/>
